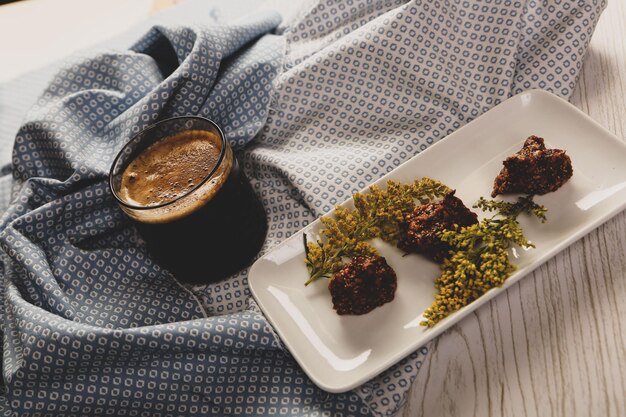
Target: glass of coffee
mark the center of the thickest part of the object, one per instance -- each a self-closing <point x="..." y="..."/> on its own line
<point x="180" y="183"/>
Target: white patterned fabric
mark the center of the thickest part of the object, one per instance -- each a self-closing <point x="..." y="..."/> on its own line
<point x="93" y="326"/>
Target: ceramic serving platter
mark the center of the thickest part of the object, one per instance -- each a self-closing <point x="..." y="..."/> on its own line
<point x="341" y="352"/>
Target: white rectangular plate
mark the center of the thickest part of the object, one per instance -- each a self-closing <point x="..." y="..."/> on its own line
<point x="341" y="352"/>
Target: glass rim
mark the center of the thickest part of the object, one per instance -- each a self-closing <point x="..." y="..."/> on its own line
<point x="145" y="131"/>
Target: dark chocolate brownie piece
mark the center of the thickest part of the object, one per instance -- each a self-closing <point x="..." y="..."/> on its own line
<point x="362" y="285"/>
<point x="420" y="227"/>
<point x="533" y="170"/>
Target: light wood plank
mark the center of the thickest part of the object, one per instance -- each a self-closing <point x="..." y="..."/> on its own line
<point x="555" y="344"/>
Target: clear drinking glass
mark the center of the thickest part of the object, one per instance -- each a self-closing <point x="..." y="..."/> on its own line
<point x="182" y="186"/>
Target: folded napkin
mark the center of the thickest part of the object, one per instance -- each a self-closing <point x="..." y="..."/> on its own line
<point x="93" y="326"/>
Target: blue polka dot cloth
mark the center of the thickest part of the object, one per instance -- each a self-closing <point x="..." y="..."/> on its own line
<point x="316" y="106"/>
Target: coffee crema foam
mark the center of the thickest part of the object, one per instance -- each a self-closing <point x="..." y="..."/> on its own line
<point x="161" y="180"/>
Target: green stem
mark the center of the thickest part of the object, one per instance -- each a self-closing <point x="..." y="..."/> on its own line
<point x="314" y="277"/>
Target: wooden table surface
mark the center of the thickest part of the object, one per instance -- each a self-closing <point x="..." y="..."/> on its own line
<point x="555" y="343"/>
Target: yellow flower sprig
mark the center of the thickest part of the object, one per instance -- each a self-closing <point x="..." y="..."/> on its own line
<point x="376" y="213"/>
<point x="479" y="259"/>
